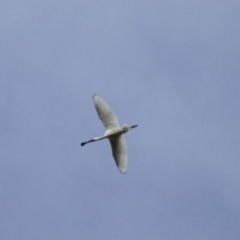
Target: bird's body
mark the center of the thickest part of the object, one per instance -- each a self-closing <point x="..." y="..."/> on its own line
<point x="113" y="132"/>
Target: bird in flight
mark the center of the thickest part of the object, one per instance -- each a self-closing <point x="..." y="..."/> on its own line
<point x="113" y="132"/>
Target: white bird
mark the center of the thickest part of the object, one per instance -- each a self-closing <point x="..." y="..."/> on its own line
<point x="113" y="133"/>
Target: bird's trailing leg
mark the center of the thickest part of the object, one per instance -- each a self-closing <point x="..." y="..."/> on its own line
<point x="133" y="126"/>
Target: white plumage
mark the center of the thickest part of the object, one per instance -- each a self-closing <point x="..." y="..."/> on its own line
<point x="113" y="133"/>
<point x="106" y="115"/>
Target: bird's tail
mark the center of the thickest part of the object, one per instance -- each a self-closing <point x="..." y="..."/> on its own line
<point x="129" y="127"/>
<point x="126" y="126"/>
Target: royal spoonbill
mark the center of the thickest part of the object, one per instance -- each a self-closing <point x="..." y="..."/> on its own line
<point x="113" y="132"/>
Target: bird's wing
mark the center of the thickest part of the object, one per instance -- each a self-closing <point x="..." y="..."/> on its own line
<point x="119" y="152"/>
<point x="105" y="114"/>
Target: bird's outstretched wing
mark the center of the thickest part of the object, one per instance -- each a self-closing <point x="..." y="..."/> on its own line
<point x="105" y="114"/>
<point x="119" y="152"/>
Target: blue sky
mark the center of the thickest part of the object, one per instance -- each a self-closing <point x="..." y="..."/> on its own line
<point x="170" y="66"/>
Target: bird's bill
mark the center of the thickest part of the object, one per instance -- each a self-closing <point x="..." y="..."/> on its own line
<point x="83" y="143"/>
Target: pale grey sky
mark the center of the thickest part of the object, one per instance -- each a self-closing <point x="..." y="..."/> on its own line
<point x="172" y="67"/>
